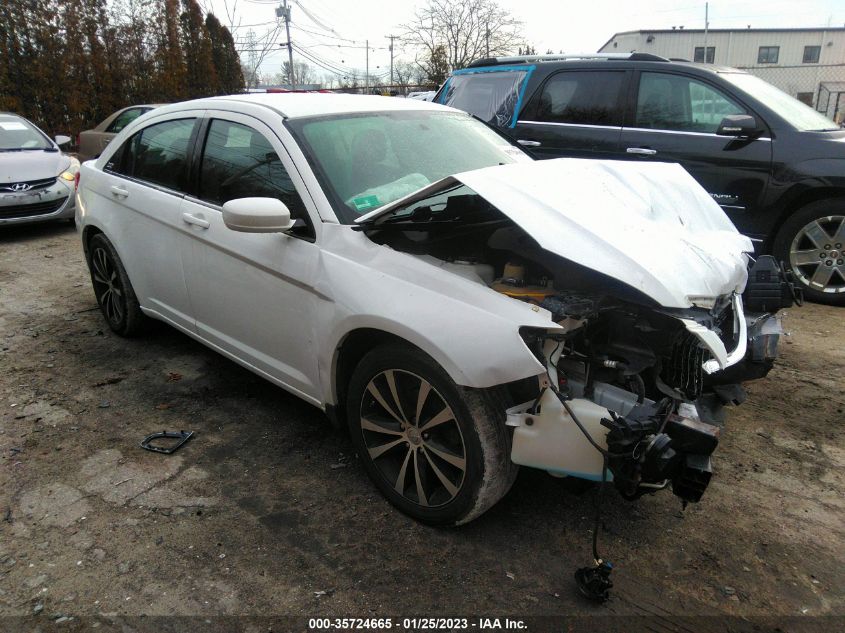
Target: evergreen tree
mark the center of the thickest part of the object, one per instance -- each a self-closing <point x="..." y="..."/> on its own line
<point x="200" y="74"/>
<point x="226" y="59"/>
<point x="171" y="73"/>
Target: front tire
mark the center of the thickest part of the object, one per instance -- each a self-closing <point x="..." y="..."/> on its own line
<point x="438" y="452"/>
<point x="812" y="243"/>
<point x="114" y="292"/>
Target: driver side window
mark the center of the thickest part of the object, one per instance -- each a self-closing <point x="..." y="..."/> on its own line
<point x="239" y="162"/>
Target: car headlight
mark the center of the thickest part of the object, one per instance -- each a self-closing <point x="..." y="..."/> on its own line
<point x="69" y="174"/>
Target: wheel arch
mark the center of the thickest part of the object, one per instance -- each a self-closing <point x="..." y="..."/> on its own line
<point x="88" y="234"/>
<point x="349" y="353"/>
<point x="800" y="197"/>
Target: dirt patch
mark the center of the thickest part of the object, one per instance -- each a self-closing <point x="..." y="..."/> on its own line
<point x="251" y="518"/>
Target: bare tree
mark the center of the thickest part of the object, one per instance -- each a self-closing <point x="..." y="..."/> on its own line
<point x="254" y="47"/>
<point x="465" y="29"/>
<point x="303" y="74"/>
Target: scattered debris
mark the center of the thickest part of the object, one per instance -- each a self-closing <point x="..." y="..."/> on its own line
<point x="113" y="380"/>
<point x="174" y="376"/>
<point x="105" y="404"/>
<point x="182" y="436"/>
<point x="510" y="575"/>
<point x="38" y="608"/>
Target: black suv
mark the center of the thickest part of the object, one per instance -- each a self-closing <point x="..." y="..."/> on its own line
<point x="776" y="166"/>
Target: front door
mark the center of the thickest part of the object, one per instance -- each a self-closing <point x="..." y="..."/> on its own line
<point x="252" y="293"/>
<point x="675" y="119"/>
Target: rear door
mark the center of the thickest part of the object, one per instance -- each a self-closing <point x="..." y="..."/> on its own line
<point x="674" y="118"/>
<point x="142" y="188"/>
<point x="253" y="293"/>
<point x="575" y="113"/>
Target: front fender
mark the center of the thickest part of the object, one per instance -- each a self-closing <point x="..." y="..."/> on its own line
<point x="467" y="328"/>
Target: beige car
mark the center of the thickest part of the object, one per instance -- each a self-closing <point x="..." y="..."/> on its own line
<point x="93" y="142"/>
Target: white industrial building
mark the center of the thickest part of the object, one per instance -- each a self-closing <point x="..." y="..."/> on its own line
<point x="809" y="64"/>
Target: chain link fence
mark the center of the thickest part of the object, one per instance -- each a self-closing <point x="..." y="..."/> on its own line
<point x="819" y="86"/>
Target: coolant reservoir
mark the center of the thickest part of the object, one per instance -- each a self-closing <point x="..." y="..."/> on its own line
<point x="551" y="441"/>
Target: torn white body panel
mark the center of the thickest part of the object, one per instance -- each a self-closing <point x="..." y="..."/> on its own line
<point x="649" y="225"/>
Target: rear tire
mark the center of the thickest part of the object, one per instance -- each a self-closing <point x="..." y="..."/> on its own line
<point x="113" y="290"/>
<point x="811" y="243"/>
<point x="438" y="452"/>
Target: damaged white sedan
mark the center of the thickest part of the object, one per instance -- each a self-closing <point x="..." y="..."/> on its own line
<point x="461" y="307"/>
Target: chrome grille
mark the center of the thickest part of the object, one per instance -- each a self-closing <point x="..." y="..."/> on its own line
<point x="28" y="185"/>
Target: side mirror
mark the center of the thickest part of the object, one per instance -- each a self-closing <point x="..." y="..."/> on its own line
<point x="61" y="139"/>
<point x="738" y="125"/>
<point x="257" y="215"/>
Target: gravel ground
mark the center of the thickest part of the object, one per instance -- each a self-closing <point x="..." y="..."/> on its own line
<point x="266" y="511"/>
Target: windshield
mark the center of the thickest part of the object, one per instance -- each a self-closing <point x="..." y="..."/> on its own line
<point x="364" y="161"/>
<point x="17" y="134"/>
<point x="802" y="117"/>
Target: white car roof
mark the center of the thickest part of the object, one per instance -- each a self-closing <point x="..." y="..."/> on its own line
<point x="301" y="104"/>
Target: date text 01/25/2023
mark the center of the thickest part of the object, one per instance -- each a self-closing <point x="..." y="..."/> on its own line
<point x="416" y="624"/>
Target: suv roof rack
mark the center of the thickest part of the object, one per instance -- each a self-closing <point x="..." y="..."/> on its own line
<point x="524" y="59"/>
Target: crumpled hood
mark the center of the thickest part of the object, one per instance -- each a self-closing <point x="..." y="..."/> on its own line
<point x="649" y="225"/>
<point x="31" y="165"/>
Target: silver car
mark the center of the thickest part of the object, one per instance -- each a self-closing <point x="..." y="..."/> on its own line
<point x="37" y="180"/>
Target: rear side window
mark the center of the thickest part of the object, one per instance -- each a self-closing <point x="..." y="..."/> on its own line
<point x="493" y="95"/>
<point x="585" y="97"/>
<point x="239" y="162"/>
<point x="124" y="118"/>
<point x="674" y="102"/>
<point x="158" y="154"/>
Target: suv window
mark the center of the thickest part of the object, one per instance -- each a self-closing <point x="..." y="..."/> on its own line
<point x="239" y="162"/>
<point x="674" y="102"/>
<point x="124" y="118"/>
<point x="158" y="154"/>
<point x="586" y="97"/>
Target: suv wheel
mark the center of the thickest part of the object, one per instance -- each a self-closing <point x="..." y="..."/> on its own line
<point x="812" y="243"/>
<point x="438" y="452"/>
<point x="114" y="293"/>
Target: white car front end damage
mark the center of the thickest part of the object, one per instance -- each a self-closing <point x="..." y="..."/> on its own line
<point x="638" y="277"/>
<point x="595" y="306"/>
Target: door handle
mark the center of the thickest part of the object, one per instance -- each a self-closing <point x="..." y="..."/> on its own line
<point x="526" y="143"/>
<point x="118" y="192"/>
<point x="641" y="151"/>
<point x="192" y="219"/>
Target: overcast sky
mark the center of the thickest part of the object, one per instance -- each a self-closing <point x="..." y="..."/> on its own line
<point x="568" y="25"/>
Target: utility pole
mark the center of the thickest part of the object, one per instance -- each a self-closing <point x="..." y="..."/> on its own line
<point x="392" y="37"/>
<point x="706" y="26"/>
<point x="284" y="12"/>
<point x="367" y="71"/>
